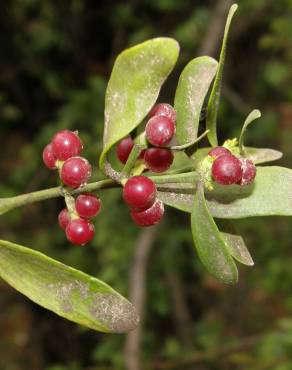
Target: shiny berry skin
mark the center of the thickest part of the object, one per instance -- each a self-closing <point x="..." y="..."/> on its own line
<point x="87" y="205"/>
<point x="75" y="172"/>
<point x="124" y="148"/>
<point x="63" y="218"/>
<point x="158" y="159"/>
<point x="139" y="192"/>
<point x="248" y="171"/>
<point x="226" y="170"/>
<point x="66" y="144"/>
<point x="163" y="109"/>
<point x="150" y="216"/>
<point x="218" y="151"/>
<point x="80" y="231"/>
<point x="49" y="157"/>
<point x="159" y="130"/>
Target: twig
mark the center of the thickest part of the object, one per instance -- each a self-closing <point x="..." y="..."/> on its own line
<point x="7" y="204"/>
<point x="212" y="353"/>
<point x="213" y="35"/>
<point x="137" y="295"/>
<point x="182" y="316"/>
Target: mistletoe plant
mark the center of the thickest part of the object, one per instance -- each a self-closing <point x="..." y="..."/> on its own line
<point x="162" y="164"/>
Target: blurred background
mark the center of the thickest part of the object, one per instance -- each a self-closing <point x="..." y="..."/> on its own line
<point x="56" y="58"/>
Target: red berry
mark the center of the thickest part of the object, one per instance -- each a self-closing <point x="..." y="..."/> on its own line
<point x="218" y="151"/>
<point x="80" y="231"/>
<point x="226" y="170"/>
<point x="159" y="130"/>
<point x="139" y="192"/>
<point x="49" y="157"/>
<point x="163" y="109"/>
<point x="64" y="218"/>
<point x="66" y="144"/>
<point x="75" y="172"/>
<point x="150" y="216"/>
<point x="124" y="148"/>
<point x="248" y="171"/>
<point x="158" y="159"/>
<point x="87" y="205"/>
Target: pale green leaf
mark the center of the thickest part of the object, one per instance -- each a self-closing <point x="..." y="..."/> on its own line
<point x="213" y="104"/>
<point x="255" y="114"/>
<point x="269" y="195"/>
<point x="237" y="248"/>
<point x="209" y="243"/>
<point x="193" y="85"/>
<point x="235" y="243"/>
<point x="134" y="85"/>
<point x="67" y="292"/>
<point x="257" y="155"/>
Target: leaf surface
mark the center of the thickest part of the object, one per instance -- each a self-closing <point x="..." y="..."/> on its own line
<point x="69" y="293"/>
<point x="193" y="85"/>
<point x="269" y="195"/>
<point x="134" y="85"/>
<point x="213" y="104"/>
<point x="210" y="245"/>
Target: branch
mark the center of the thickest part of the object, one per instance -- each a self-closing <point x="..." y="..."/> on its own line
<point x="214" y="32"/>
<point x="7" y="204"/>
<point x="137" y="295"/>
<point x="240" y="346"/>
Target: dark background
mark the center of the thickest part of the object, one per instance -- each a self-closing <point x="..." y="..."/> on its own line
<point x="56" y="58"/>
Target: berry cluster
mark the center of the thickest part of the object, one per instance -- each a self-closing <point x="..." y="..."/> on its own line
<point x="159" y="130"/>
<point x="62" y="153"/>
<point x="140" y="195"/>
<point x="78" y="227"/>
<point x="228" y="169"/>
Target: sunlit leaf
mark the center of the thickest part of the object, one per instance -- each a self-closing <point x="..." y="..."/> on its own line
<point x="134" y="85"/>
<point x="209" y="242"/>
<point x="192" y="88"/>
<point x="67" y="292"/>
<point x="269" y="195"/>
<point x="213" y="104"/>
<point x="255" y="114"/>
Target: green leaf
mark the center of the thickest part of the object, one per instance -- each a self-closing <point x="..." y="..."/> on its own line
<point x="134" y="85"/>
<point x="67" y="292"/>
<point x="255" y="114"/>
<point x="257" y="155"/>
<point x="237" y="248"/>
<point x="262" y="155"/>
<point x="192" y="88"/>
<point x="209" y="243"/>
<point x="269" y="195"/>
<point x="213" y="104"/>
<point x="235" y="244"/>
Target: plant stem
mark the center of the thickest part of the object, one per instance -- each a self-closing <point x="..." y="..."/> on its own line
<point x="135" y="152"/>
<point x="7" y="204"/>
<point x="189" y="177"/>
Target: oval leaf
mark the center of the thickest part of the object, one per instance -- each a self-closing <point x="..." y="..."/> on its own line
<point x="67" y="292"/>
<point x="237" y="248"/>
<point x="192" y="88"/>
<point x="235" y="243"/>
<point x="213" y="104"/>
<point x="209" y="242"/>
<point x="134" y="85"/>
<point x="257" y="155"/>
<point x="269" y="195"/>
<point x="255" y="114"/>
<point x="262" y="155"/>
